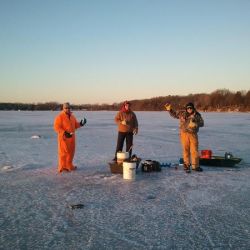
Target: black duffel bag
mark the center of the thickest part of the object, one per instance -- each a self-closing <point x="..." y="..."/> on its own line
<point x="150" y="166"/>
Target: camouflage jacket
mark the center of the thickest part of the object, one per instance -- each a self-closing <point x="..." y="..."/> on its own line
<point x="188" y="122"/>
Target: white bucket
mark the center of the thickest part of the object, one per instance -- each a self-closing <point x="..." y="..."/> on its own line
<point x="121" y="156"/>
<point x="129" y="170"/>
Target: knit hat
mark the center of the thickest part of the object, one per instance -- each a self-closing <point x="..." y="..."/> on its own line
<point x="189" y="105"/>
<point x="123" y="109"/>
<point x="126" y="102"/>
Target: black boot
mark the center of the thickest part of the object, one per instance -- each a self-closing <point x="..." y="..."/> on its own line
<point x="198" y="169"/>
<point x="186" y="168"/>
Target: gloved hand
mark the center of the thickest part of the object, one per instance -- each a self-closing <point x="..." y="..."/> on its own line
<point x="192" y="124"/>
<point x="83" y="122"/>
<point x="67" y="134"/>
<point x="167" y="106"/>
<point x="135" y="131"/>
<point x="124" y="122"/>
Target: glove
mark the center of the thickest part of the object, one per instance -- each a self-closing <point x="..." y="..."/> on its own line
<point x="135" y="131"/>
<point x="67" y="134"/>
<point x="83" y="122"/>
<point x="124" y="122"/>
<point x="167" y="106"/>
<point x="192" y="124"/>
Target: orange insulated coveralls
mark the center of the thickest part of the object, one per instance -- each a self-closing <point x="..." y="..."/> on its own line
<point x="66" y="146"/>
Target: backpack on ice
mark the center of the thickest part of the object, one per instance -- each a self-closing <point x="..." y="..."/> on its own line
<point x="150" y="166"/>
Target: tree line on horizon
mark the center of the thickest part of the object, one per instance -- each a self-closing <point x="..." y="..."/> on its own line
<point x="220" y="100"/>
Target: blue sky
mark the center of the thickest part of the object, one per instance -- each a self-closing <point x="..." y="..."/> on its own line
<point x="108" y="51"/>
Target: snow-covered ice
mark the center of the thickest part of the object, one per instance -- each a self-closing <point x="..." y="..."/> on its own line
<point x="165" y="210"/>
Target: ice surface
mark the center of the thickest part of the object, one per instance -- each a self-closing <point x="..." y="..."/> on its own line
<point x="165" y="210"/>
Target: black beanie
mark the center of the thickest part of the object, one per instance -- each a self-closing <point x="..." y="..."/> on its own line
<point x="190" y="105"/>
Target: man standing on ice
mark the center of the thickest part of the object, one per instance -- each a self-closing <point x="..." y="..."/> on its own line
<point x="190" y="122"/>
<point x="127" y="127"/>
<point x="65" y="125"/>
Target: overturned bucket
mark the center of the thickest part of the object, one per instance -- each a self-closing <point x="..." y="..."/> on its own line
<point x="129" y="170"/>
<point x="122" y="156"/>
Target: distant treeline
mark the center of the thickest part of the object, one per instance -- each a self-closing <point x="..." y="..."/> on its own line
<point x="219" y="100"/>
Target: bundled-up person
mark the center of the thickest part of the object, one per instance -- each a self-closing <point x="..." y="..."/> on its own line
<point x="190" y="122"/>
<point x="127" y="127"/>
<point x="65" y="125"/>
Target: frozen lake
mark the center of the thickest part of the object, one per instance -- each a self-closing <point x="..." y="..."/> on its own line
<point x="165" y="210"/>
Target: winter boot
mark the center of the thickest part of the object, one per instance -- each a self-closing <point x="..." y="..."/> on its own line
<point x="198" y="169"/>
<point x="186" y="168"/>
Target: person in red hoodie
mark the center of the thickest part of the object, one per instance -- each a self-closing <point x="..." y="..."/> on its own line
<point x="127" y="127"/>
<point x="65" y="125"/>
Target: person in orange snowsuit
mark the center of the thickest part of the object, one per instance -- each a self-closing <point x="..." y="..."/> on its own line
<point x="190" y="122"/>
<point x="65" y="125"/>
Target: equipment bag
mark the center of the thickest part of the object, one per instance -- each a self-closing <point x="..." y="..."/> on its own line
<point x="150" y="166"/>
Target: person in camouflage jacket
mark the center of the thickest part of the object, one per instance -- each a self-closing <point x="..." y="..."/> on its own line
<point x="190" y="122"/>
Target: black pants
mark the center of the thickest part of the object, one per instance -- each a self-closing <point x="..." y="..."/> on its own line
<point x="120" y="141"/>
